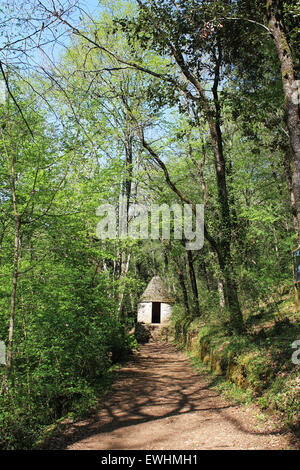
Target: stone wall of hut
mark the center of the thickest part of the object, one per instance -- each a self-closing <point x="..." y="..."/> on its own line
<point x="145" y="312"/>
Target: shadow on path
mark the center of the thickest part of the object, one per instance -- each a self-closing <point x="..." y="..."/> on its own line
<point x="159" y="402"/>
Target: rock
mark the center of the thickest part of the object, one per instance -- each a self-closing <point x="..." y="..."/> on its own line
<point x="145" y="333"/>
<point x="142" y="333"/>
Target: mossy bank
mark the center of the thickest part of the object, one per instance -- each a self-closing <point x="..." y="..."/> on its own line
<point x="259" y="367"/>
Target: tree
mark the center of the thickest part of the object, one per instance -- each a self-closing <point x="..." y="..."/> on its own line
<point x="277" y="29"/>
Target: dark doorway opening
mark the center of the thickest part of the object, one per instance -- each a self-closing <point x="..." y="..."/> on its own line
<point x="155" y="312"/>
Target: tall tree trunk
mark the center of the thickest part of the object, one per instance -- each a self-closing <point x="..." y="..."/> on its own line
<point x="221" y="293"/>
<point x="224" y="252"/>
<point x="230" y="292"/>
<point x="276" y="246"/>
<point x="15" y="266"/>
<point x="13" y="296"/>
<point x="128" y="169"/>
<point x="182" y="284"/>
<point x="126" y="190"/>
<point x="291" y="102"/>
<point x="124" y="272"/>
<point x="193" y="284"/>
<point x="220" y="246"/>
<point x="289" y="182"/>
<point x="203" y="270"/>
<point x="212" y="112"/>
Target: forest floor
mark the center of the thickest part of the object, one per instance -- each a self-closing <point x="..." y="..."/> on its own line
<point x="160" y="402"/>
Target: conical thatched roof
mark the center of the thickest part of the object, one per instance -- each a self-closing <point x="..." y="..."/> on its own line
<point x="157" y="292"/>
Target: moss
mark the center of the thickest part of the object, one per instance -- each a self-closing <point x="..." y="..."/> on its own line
<point x="256" y="366"/>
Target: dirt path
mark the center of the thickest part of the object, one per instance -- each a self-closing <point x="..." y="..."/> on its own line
<point x="159" y="402"/>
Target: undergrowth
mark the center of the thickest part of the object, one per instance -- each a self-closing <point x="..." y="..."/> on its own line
<point x="257" y="367"/>
<point x="35" y="404"/>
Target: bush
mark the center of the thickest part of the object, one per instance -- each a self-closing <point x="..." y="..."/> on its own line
<point x="58" y="373"/>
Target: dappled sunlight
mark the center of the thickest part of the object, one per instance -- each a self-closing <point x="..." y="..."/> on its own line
<point x="160" y="402"/>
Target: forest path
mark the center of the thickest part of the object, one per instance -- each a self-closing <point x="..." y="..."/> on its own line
<point x="159" y="402"/>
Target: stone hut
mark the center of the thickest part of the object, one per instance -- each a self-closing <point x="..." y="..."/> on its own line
<point x="155" y="306"/>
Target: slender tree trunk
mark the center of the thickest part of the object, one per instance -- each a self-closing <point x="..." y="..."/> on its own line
<point x="212" y="112"/>
<point x="203" y="270"/>
<point x="224" y="253"/>
<point x="13" y="296"/>
<point x="289" y="182"/>
<point x="221" y="293"/>
<point x="184" y="291"/>
<point x="230" y="292"/>
<point x="291" y="103"/>
<point x="128" y="170"/>
<point x="276" y="246"/>
<point x="15" y="266"/>
<point x="193" y="284"/>
<point x="124" y="272"/>
<point x="223" y="246"/>
<point x="124" y="261"/>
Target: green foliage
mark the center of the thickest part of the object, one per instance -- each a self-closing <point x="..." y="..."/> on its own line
<point x="255" y="368"/>
<point x="77" y="144"/>
<point x="67" y="333"/>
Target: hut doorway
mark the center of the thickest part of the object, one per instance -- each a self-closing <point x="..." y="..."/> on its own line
<point x="155" y="305"/>
<point x="155" y="312"/>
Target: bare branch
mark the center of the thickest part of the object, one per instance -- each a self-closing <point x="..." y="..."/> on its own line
<point x="14" y="99"/>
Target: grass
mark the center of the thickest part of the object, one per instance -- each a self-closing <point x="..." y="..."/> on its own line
<point x="262" y="371"/>
<point x="81" y="410"/>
